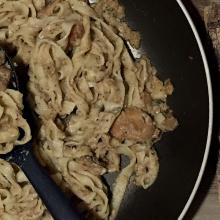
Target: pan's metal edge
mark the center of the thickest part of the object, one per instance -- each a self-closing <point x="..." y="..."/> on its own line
<point x="209" y="84"/>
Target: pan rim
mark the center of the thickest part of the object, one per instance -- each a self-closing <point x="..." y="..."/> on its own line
<point x="210" y="96"/>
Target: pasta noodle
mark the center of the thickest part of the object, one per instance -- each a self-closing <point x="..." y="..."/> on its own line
<point x="95" y="103"/>
<point x="18" y="198"/>
<point x="11" y="121"/>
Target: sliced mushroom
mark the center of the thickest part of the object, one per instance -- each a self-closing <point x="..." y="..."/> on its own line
<point x="49" y="9"/>
<point x="133" y="124"/>
<point x="76" y="34"/>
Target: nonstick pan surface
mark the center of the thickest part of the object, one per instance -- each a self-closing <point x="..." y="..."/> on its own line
<point x="170" y="40"/>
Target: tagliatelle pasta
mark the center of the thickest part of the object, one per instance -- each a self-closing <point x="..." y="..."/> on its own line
<point x="18" y="198"/>
<point x="11" y="121"/>
<point x="95" y="103"/>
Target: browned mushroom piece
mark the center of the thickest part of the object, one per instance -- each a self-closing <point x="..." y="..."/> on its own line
<point x="168" y="87"/>
<point x="76" y="34"/>
<point x="169" y="124"/>
<point x="5" y="75"/>
<point x="133" y="124"/>
<point x="49" y="9"/>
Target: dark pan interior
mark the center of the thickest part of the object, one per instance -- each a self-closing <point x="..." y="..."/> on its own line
<point x="168" y="40"/>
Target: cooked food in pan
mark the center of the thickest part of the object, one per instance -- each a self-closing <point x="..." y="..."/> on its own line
<point x="95" y="103"/>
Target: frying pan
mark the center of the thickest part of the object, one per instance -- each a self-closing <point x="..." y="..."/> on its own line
<point x="171" y="41"/>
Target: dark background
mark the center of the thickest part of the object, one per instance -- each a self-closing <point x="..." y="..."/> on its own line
<point x="209" y="184"/>
<point x="169" y="42"/>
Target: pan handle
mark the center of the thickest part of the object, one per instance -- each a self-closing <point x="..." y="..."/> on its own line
<point x="54" y="199"/>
